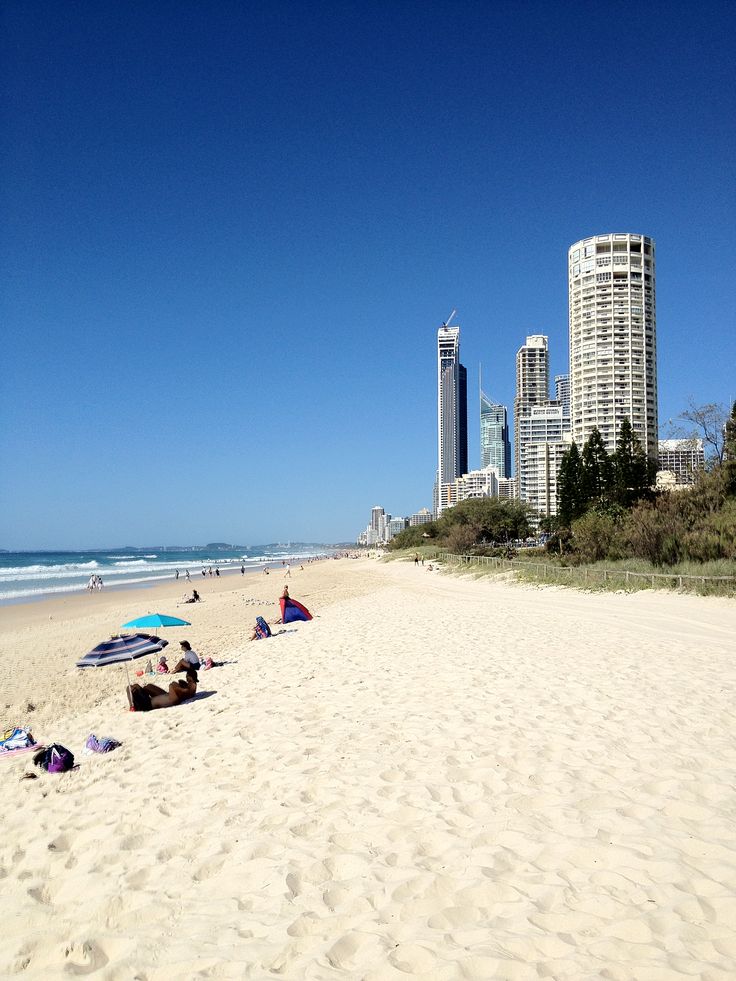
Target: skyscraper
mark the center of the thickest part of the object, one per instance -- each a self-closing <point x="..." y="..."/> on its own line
<point x="562" y="391"/>
<point x="532" y="383"/>
<point x="495" y="446"/>
<point x="613" y="338"/>
<point x="462" y="427"/>
<point x="452" y="410"/>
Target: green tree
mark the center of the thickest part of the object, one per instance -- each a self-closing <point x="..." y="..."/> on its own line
<point x="488" y="518"/>
<point x="570" y="500"/>
<point x="630" y="468"/>
<point x="597" y="477"/>
<point x="729" y="454"/>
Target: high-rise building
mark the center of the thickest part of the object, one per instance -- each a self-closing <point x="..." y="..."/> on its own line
<point x="452" y="411"/>
<point x="462" y="423"/>
<point x="682" y="458"/>
<point x="422" y="517"/>
<point x="532" y="383"/>
<point x="495" y="447"/>
<point x="562" y="391"/>
<point x="543" y="437"/>
<point x="613" y="338"/>
<point x="378" y="519"/>
<point x="394" y="526"/>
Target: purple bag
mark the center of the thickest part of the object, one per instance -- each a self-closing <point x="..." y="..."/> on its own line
<point x="54" y="759"/>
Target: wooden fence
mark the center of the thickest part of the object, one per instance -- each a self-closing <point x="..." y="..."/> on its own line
<point x="591" y="576"/>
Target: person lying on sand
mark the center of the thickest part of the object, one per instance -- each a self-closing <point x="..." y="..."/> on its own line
<point x="143" y="698"/>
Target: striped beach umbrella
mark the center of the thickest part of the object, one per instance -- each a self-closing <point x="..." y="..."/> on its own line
<point x="126" y="647"/>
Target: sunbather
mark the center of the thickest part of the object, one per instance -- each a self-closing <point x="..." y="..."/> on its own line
<point x="143" y="698"/>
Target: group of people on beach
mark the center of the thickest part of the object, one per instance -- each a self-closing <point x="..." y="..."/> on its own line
<point x="95" y="582"/>
<point x="144" y="698"/>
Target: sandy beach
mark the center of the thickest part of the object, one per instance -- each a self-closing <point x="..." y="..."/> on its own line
<point x="438" y="777"/>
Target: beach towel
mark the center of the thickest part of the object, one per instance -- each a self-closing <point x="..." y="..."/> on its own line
<point x="16" y="739"/>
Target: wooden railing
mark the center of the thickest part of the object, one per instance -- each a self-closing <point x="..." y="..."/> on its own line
<point x="591" y="575"/>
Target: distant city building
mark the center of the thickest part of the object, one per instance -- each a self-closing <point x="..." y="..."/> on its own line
<point x="544" y="435"/>
<point x="613" y="338"/>
<point x="394" y="526"/>
<point x="562" y="391"/>
<point x="422" y="517"/>
<point x="507" y="489"/>
<point x="495" y="446"/>
<point x="477" y="483"/>
<point x="452" y="411"/>
<point x="532" y="384"/>
<point x="681" y="458"/>
<point x="378" y="518"/>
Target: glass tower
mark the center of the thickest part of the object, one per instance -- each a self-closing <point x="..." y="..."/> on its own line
<point x="495" y="446"/>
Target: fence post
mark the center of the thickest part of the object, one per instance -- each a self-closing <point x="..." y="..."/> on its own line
<point x="680" y="581"/>
<point x="652" y="580"/>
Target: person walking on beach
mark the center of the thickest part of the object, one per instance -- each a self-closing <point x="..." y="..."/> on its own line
<point x="287" y="570"/>
<point x="177" y="574"/>
<point x="189" y="578"/>
<point x="217" y="573"/>
<point x="242" y="570"/>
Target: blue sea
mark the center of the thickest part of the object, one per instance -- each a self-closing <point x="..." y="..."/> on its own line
<point x="33" y="575"/>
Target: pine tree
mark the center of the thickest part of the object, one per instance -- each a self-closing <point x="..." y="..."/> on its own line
<point x="630" y="468"/>
<point x="729" y="451"/>
<point x="597" y="476"/>
<point x="570" y="503"/>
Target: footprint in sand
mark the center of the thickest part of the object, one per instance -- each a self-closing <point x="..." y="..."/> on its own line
<point x="208" y="869"/>
<point x="293" y="884"/>
<point x="84" y="957"/>
<point x="41" y="895"/>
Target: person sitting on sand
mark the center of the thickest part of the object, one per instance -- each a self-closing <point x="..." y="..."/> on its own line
<point x="194" y="598"/>
<point x="285" y="593"/>
<point x="143" y="698"/>
<point x="189" y="658"/>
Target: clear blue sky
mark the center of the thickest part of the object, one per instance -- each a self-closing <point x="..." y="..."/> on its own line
<point x="231" y="230"/>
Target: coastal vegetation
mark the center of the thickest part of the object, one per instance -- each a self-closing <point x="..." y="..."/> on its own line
<point x="477" y="525"/>
<point x="608" y="509"/>
<point x="611" y="520"/>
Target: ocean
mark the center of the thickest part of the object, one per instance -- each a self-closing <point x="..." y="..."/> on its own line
<point x="31" y="575"/>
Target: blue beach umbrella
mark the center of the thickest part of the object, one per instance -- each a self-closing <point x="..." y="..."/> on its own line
<point x="157" y="620"/>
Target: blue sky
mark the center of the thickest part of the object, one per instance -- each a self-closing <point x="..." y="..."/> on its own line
<point x="230" y="232"/>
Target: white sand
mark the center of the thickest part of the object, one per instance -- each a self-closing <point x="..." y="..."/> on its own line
<point x="436" y="778"/>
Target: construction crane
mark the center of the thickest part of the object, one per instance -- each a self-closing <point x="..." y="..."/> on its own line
<point x="447" y="322"/>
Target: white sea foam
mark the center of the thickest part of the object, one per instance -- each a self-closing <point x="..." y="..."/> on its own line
<point x="12" y="573"/>
<point x="70" y="588"/>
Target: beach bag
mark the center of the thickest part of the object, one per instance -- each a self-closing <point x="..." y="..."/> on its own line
<point x="54" y="759"/>
<point x="262" y="629"/>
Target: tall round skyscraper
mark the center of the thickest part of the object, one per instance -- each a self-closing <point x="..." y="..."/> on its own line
<point x="613" y="338"/>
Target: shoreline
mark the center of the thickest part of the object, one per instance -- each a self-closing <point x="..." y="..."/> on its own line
<point x="155" y="581"/>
